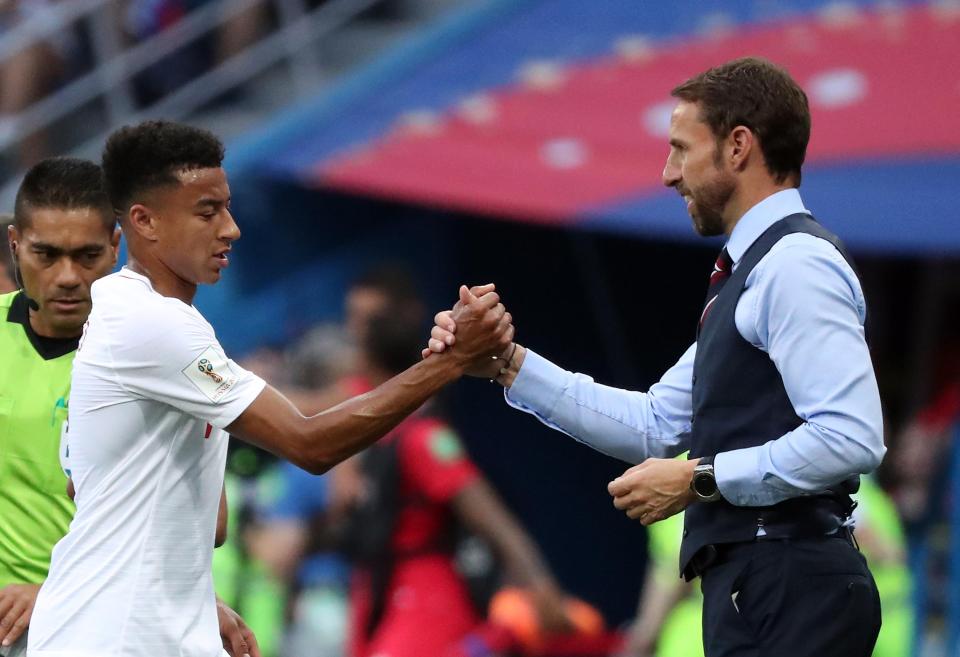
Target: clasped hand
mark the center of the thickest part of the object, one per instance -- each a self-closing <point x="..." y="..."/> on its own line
<point x="654" y="490"/>
<point x="484" y="331"/>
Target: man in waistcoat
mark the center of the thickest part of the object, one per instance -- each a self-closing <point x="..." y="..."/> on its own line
<point x="776" y="400"/>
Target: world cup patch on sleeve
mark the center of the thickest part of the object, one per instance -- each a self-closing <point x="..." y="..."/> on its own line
<point x="210" y="372"/>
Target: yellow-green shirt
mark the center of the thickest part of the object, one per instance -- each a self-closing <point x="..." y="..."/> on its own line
<point x="35" y="511"/>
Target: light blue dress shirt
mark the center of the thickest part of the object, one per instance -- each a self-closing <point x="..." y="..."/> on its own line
<point x="802" y="305"/>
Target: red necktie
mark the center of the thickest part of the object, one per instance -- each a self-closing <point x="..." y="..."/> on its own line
<point x="721" y="272"/>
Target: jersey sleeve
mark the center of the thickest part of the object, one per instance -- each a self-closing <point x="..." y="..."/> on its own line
<point x="172" y="355"/>
<point x="435" y="462"/>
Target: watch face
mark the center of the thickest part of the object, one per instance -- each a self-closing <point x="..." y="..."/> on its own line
<point x="704" y="484"/>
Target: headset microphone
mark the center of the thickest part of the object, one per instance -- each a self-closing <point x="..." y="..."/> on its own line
<point x="18" y="279"/>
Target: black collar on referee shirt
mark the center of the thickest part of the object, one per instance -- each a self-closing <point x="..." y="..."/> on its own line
<point x="48" y="348"/>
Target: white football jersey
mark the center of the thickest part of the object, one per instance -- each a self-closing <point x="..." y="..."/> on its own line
<point x="151" y="393"/>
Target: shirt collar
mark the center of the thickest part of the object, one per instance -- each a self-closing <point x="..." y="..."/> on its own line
<point x="47" y="348"/>
<point x="126" y="272"/>
<point x="760" y="217"/>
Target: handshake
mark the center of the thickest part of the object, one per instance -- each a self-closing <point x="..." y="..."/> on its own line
<point x="478" y="331"/>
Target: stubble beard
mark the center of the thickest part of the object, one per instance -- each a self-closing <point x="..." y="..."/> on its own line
<point x="709" y="202"/>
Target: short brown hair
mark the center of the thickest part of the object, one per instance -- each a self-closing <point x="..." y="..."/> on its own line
<point x="760" y="95"/>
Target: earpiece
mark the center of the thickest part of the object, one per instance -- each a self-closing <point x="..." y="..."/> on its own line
<point x="18" y="278"/>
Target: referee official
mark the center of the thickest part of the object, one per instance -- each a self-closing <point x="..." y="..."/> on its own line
<point x="776" y="400"/>
<point x="62" y="238"/>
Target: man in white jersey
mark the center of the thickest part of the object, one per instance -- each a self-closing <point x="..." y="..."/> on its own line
<point x="154" y="397"/>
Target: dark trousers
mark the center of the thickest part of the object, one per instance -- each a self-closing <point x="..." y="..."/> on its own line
<point x="810" y="597"/>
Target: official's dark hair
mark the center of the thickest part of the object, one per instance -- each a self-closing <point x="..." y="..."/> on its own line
<point x="62" y="183"/>
<point x="393" y="339"/>
<point x="760" y="95"/>
<point x="143" y="157"/>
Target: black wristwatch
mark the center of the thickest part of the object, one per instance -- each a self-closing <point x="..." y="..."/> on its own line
<point x="704" y="483"/>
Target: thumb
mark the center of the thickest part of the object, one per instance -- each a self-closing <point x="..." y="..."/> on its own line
<point x="466" y="296"/>
<point x="480" y="290"/>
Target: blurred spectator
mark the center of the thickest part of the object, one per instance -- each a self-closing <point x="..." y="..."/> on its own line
<point x="920" y="450"/>
<point x="882" y="541"/>
<point x="143" y="19"/>
<point x="30" y="73"/>
<point x="419" y="486"/>
<point x="7" y="279"/>
<point x="242" y="580"/>
<point x="292" y="536"/>
<point x="292" y="539"/>
<point x="388" y="284"/>
<point x="314" y="360"/>
<point x="320" y="358"/>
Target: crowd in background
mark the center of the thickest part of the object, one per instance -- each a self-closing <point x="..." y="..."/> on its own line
<point x="36" y="70"/>
<point x="63" y="51"/>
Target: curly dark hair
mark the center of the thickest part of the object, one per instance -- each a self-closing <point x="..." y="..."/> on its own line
<point x="760" y="95"/>
<point x="62" y="183"/>
<point x="149" y="155"/>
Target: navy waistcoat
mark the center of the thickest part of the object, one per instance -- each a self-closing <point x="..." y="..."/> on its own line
<point x="739" y="401"/>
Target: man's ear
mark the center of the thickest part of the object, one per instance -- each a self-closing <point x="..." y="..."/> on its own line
<point x="143" y="221"/>
<point x="741" y="143"/>
<point x="13" y="240"/>
<point x="115" y="243"/>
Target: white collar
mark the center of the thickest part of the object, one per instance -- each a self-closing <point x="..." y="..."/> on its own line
<point x="760" y="217"/>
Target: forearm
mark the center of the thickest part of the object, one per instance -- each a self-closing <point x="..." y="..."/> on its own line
<point x="659" y="598"/>
<point x="480" y="508"/>
<point x="319" y="442"/>
<point x="522" y="559"/>
<point x="808" y="460"/>
<point x="351" y="426"/>
<point x="310" y="402"/>
<point x="628" y="425"/>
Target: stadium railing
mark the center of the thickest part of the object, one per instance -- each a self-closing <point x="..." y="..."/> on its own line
<point x="298" y="28"/>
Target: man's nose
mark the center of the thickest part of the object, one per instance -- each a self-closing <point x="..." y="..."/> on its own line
<point x="231" y="231"/>
<point x="68" y="274"/>
<point x="671" y="175"/>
